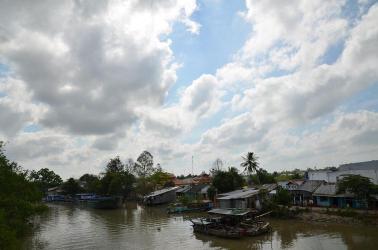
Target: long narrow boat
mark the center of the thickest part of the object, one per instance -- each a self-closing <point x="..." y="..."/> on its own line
<point x="211" y="228"/>
<point x="231" y="223"/>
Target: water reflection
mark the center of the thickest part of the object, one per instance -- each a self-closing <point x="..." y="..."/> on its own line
<point x="138" y="227"/>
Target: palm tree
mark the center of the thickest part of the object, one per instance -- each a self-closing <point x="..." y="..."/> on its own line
<point x="250" y="164"/>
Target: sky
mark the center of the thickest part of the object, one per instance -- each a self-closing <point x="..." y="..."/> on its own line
<point x="295" y="82"/>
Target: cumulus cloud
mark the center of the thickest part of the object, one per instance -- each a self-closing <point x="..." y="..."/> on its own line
<point x="91" y="63"/>
<point x="94" y="75"/>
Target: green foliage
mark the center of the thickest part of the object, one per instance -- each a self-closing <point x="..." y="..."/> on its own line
<point x="250" y="163"/>
<point x="114" y="165"/>
<point x="145" y="164"/>
<point x="91" y="183"/>
<point x="185" y="200"/>
<point x="262" y="177"/>
<point x="211" y="192"/>
<point x="72" y="187"/>
<point x="289" y="175"/>
<point x="160" y="179"/>
<point x="360" y="186"/>
<point x="143" y="186"/>
<point x="19" y="201"/>
<point x="45" y="179"/>
<point x="282" y="196"/>
<point x="225" y="181"/>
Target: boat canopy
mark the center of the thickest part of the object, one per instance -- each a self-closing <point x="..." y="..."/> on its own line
<point x="232" y="211"/>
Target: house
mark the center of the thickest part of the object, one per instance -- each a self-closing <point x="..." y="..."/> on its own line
<point x="181" y="191"/>
<point x="55" y="191"/>
<point x="161" y="196"/>
<point x="203" y="178"/>
<point x="302" y="194"/>
<point x="195" y="192"/>
<point x="326" y="196"/>
<point x="367" y="169"/>
<point x="294" y="184"/>
<point x="242" y="199"/>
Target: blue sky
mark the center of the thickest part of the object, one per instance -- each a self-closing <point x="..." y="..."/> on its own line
<point x="295" y="82"/>
<point x="223" y="32"/>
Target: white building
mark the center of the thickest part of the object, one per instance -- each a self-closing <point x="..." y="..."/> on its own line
<point x="367" y="169"/>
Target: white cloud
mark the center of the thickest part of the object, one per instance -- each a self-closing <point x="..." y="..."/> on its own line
<point x="94" y="76"/>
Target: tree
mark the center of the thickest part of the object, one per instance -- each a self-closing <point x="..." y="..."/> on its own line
<point x="282" y="196"/>
<point x="120" y="183"/>
<point x="250" y="164"/>
<point x="262" y="177"/>
<point x="160" y="179"/>
<point x="19" y="202"/>
<point x="130" y="165"/>
<point x="216" y="166"/>
<point x="114" y="165"/>
<point x="71" y="187"/>
<point x="45" y="179"/>
<point x="91" y="183"/>
<point x="144" y="166"/>
<point x="225" y="181"/>
<point x="360" y="186"/>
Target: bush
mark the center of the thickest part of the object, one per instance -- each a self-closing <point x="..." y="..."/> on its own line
<point x="19" y="202"/>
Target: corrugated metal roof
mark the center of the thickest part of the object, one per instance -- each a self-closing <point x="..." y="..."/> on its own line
<point x="359" y="166"/>
<point x="310" y="185"/>
<point x="326" y="189"/>
<point x="329" y="189"/>
<point x="161" y="191"/>
<point x="183" y="189"/>
<point x="240" y="194"/>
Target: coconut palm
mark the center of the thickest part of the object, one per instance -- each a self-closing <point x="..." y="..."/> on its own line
<point x="250" y="164"/>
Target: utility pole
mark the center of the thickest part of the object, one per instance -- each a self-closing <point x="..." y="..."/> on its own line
<point x="192" y="170"/>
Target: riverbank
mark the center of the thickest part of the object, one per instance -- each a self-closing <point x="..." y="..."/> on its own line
<point x="326" y="215"/>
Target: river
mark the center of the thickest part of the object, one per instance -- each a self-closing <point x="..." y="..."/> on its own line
<point x="139" y="227"/>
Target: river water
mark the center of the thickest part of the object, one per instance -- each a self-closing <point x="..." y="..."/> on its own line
<point x="139" y="227"/>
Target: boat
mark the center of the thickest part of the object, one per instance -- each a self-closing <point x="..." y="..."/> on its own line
<point x="231" y="223"/>
<point x="256" y="229"/>
<point x="212" y="228"/>
<point x="191" y="207"/>
<point x="99" y="202"/>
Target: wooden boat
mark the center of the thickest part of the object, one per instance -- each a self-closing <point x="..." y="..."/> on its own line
<point x="231" y="223"/>
<point x="212" y="228"/>
<point x="256" y="229"/>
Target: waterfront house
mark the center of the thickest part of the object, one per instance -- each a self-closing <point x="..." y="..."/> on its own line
<point x="181" y="190"/>
<point x="367" y="169"/>
<point x="161" y="196"/>
<point x="195" y="191"/>
<point x="326" y="196"/>
<point x="242" y="199"/>
<point x="302" y="194"/>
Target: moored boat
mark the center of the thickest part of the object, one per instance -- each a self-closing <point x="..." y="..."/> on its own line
<point x="212" y="228"/>
<point x="191" y="207"/>
<point x="231" y="223"/>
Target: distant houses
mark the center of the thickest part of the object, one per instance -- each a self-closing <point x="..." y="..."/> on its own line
<point x="318" y="188"/>
<point x="367" y="169"/>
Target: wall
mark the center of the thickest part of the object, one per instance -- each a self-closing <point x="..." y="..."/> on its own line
<point x="332" y="176"/>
